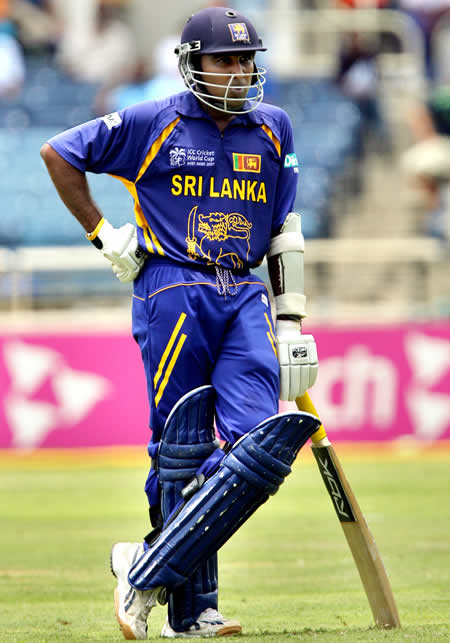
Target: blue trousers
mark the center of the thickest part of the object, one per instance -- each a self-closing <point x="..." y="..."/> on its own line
<point x="190" y="335"/>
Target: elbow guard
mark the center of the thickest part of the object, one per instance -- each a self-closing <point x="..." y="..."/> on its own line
<point x="286" y="268"/>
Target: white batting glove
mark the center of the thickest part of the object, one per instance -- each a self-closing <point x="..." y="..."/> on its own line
<point x="120" y="247"/>
<point x="297" y="355"/>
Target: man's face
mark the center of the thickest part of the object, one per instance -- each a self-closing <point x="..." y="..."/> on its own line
<point x="238" y="70"/>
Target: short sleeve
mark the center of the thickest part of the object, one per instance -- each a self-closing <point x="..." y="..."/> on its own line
<point x="115" y="144"/>
<point x="287" y="182"/>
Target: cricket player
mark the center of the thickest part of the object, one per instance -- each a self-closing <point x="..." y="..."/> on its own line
<point x="213" y="175"/>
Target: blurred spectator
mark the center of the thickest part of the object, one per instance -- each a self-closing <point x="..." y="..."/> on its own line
<point x="37" y="25"/>
<point x="358" y="78"/>
<point x="142" y="84"/>
<point x="440" y="48"/>
<point x="426" y="14"/>
<point x="428" y="160"/>
<point x="12" y="66"/>
<point x="97" y="44"/>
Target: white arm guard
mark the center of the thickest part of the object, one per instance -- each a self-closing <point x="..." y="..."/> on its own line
<point x="286" y="269"/>
<point x="297" y="353"/>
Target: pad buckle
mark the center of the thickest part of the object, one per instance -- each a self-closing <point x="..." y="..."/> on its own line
<point x="193" y="486"/>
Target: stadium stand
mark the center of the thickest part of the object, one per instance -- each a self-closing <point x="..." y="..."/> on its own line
<point x="26" y="190"/>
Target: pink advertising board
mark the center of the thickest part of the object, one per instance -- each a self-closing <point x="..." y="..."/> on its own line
<point x="78" y="389"/>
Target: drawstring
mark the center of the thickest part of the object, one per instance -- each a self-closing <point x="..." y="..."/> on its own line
<point x="223" y="278"/>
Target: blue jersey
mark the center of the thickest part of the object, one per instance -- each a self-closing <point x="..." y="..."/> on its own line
<point x="200" y="195"/>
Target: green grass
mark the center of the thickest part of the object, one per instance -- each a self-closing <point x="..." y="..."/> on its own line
<point x="287" y="574"/>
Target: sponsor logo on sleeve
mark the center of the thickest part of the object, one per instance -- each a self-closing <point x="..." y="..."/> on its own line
<point x="290" y="160"/>
<point x="112" y="120"/>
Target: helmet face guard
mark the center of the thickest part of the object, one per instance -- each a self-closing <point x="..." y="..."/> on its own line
<point x="217" y="30"/>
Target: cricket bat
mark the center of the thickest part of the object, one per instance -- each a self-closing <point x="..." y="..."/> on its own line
<point x="360" y="540"/>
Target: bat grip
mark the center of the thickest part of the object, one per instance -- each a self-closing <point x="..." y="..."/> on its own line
<point x="304" y="404"/>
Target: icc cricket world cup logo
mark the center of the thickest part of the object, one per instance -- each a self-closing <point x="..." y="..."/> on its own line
<point x="208" y="234"/>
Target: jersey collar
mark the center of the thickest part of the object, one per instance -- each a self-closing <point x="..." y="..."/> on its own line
<point x="188" y="105"/>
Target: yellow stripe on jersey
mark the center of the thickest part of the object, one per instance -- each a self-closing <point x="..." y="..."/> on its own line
<point x="272" y="137"/>
<point x="170" y="368"/>
<point x="156" y="146"/>
<point x="168" y="348"/>
<point x="152" y="245"/>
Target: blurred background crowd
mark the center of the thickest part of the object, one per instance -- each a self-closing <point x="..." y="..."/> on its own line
<point x="365" y="82"/>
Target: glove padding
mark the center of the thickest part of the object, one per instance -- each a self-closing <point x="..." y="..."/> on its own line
<point x="297" y="355"/>
<point x="120" y="247"/>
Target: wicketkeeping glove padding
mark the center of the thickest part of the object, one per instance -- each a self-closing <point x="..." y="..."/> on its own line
<point x="297" y="355"/>
<point x="120" y="247"/>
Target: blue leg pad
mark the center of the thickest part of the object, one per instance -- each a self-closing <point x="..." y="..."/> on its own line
<point x="251" y="472"/>
<point x="187" y="441"/>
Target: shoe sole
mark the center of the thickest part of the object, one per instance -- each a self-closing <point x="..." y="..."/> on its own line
<point x="124" y="628"/>
<point x="226" y="630"/>
<point x="229" y="630"/>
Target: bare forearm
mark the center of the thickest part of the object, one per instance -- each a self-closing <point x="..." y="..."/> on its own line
<point x="72" y="187"/>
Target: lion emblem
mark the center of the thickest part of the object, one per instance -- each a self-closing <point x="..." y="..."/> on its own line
<point x="208" y="234"/>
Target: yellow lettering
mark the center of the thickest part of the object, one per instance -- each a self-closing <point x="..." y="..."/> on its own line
<point x="226" y="189"/>
<point x="251" y="185"/>
<point x="211" y="188"/>
<point x="239" y="189"/>
<point x="177" y="185"/>
<point x="245" y="190"/>
<point x="262" y="193"/>
<point x="189" y="185"/>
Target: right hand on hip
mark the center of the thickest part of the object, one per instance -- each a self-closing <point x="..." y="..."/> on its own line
<point x="120" y="247"/>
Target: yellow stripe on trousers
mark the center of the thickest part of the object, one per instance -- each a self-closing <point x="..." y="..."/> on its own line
<point x="271" y="335"/>
<point x="169" y="370"/>
<point x="170" y="343"/>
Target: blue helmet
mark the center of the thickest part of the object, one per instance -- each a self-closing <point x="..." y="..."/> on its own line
<point x="218" y="30"/>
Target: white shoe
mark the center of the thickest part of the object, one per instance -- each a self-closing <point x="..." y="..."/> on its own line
<point x="132" y="606"/>
<point x="209" y="623"/>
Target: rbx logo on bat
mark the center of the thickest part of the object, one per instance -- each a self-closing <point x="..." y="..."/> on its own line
<point x="333" y="484"/>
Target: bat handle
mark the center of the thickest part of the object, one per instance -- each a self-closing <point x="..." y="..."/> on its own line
<point x="319" y="438"/>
